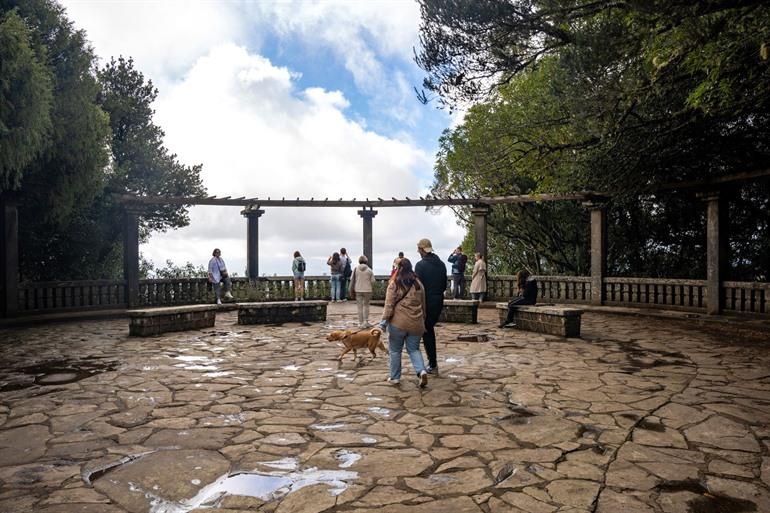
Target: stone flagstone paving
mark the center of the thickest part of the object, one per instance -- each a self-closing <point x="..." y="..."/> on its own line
<point x="638" y="416"/>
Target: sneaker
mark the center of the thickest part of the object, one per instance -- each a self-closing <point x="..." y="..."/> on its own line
<point x="423" y="379"/>
<point x="228" y="295"/>
<point x="509" y="325"/>
<point x="394" y="381"/>
<point x="432" y="370"/>
<point x="219" y="301"/>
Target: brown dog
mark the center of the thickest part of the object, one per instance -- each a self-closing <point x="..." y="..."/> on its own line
<point x="358" y="340"/>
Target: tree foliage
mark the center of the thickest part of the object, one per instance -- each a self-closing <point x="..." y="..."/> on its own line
<point x="620" y="97"/>
<point x="25" y="100"/>
<point x="77" y="134"/>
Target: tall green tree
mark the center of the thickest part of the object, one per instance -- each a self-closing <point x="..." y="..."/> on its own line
<point x="25" y="100"/>
<point x="600" y="95"/>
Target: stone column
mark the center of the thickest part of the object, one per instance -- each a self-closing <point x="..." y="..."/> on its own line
<point x="480" y="213"/>
<point x="368" y="215"/>
<point x="9" y="247"/>
<point x="252" y="215"/>
<point x="598" y="249"/>
<point x="131" y="255"/>
<point x="717" y="246"/>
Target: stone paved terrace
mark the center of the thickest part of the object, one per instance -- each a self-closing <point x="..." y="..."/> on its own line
<point x="638" y="416"/>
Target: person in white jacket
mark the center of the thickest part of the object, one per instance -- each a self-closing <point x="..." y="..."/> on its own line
<point x="361" y="283"/>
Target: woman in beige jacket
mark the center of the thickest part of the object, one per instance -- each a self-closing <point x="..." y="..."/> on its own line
<point x="479" y="280"/>
<point x="404" y="317"/>
<point x="361" y="283"/>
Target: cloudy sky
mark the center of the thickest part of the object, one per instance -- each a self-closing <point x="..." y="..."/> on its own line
<point x="285" y="99"/>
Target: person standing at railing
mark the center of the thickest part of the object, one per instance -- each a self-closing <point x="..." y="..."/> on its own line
<point x="432" y="273"/>
<point x="479" y="279"/>
<point x="298" y="267"/>
<point x="347" y="272"/>
<point x="218" y="274"/>
<point x="458" y="261"/>
<point x="527" y="294"/>
<point x="361" y="284"/>
<point x="336" y="268"/>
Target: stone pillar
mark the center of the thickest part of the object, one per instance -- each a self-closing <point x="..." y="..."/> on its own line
<point x="717" y="246"/>
<point x="480" y="213"/>
<point x="598" y="249"/>
<point x="9" y="247"/>
<point x="131" y="255"/>
<point x="252" y="215"/>
<point x="368" y="215"/>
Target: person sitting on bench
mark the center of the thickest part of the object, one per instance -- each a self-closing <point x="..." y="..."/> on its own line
<point x="527" y="294"/>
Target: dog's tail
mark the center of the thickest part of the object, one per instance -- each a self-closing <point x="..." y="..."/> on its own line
<point x="377" y="332"/>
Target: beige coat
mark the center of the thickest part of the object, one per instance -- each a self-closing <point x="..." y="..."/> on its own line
<point x="479" y="281"/>
<point x="409" y="313"/>
<point x="362" y="280"/>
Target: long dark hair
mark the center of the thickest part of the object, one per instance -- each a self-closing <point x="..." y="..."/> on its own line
<point x="521" y="278"/>
<point x="335" y="258"/>
<point x="405" y="276"/>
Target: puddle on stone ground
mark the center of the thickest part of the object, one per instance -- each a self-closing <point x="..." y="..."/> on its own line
<point x="266" y="486"/>
<point x="327" y="427"/>
<point x="708" y="502"/>
<point x="379" y="411"/>
<point x="54" y="372"/>
<point x="347" y="458"/>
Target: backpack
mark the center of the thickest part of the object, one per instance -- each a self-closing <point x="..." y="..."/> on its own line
<point x="348" y="270"/>
<point x="301" y="266"/>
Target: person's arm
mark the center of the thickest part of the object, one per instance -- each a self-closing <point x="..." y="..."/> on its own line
<point x="390" y="299"/>
<point x="452" y="258"/>
<point x="371" y="276"/>
<point x="211" y="270"/>
<point x="352" y="289"/>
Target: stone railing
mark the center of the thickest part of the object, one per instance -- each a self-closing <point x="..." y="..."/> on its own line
<point x="61" y="296"/>
<point x="656" y="293"/>
<point x="746" y="297"/>
<point x="689" y="295"/>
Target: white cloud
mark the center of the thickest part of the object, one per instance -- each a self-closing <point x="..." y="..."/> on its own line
<point x="164" y="38"/>
<point x="257" y="136"/>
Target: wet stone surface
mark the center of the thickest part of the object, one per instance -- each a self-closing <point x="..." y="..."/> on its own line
<point x="636" y="416"/>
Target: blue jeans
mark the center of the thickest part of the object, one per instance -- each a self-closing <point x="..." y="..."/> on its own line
<point x="396" y="339"/>
<point x="336" y="278"/>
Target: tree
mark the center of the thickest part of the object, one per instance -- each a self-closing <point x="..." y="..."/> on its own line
<point x="141" y="164"/>
<point x="620" y="97"/>
<point x="653" y="91"/>
<point x="25" y="101"/>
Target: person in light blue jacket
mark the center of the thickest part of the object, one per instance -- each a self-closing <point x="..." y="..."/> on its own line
<point x="218" y="275"/>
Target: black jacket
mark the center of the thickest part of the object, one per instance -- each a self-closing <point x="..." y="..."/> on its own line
<point x="432" y="273"/>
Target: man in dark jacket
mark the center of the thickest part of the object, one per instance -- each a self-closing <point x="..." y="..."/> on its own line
<point x="458" y="261"/>
<point x="432" y="273"/>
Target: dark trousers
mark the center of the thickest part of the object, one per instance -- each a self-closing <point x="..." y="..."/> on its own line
<point x="344" y="287"/>
<point x="432" y="313"/>
<point x="513" y="303"/>
<point x="458" y="285"/>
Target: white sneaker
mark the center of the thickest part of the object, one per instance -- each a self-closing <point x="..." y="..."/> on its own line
<point x="228" y="295"/>
<point x="423" y="379"/>
<point x="393" y="381"/>
<point x="219" y="301"/>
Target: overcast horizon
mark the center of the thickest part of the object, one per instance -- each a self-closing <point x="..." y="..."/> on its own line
<point x="285" y="99"/>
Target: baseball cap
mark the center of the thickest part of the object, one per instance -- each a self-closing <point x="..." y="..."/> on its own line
<point x="425" y="245"/>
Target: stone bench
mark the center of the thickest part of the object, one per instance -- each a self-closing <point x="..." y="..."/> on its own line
<point x="460" y="310"/>
<point x="554" y="320"/>
<point x="277" y="312"/>
<point x="153" y="321"/>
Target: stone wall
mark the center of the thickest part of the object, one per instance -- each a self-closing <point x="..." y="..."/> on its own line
<point x="460" y="310"/>
<point x="277" y="312"/>
<point x="144" y="323"/>
<point x="553" y="320"/>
